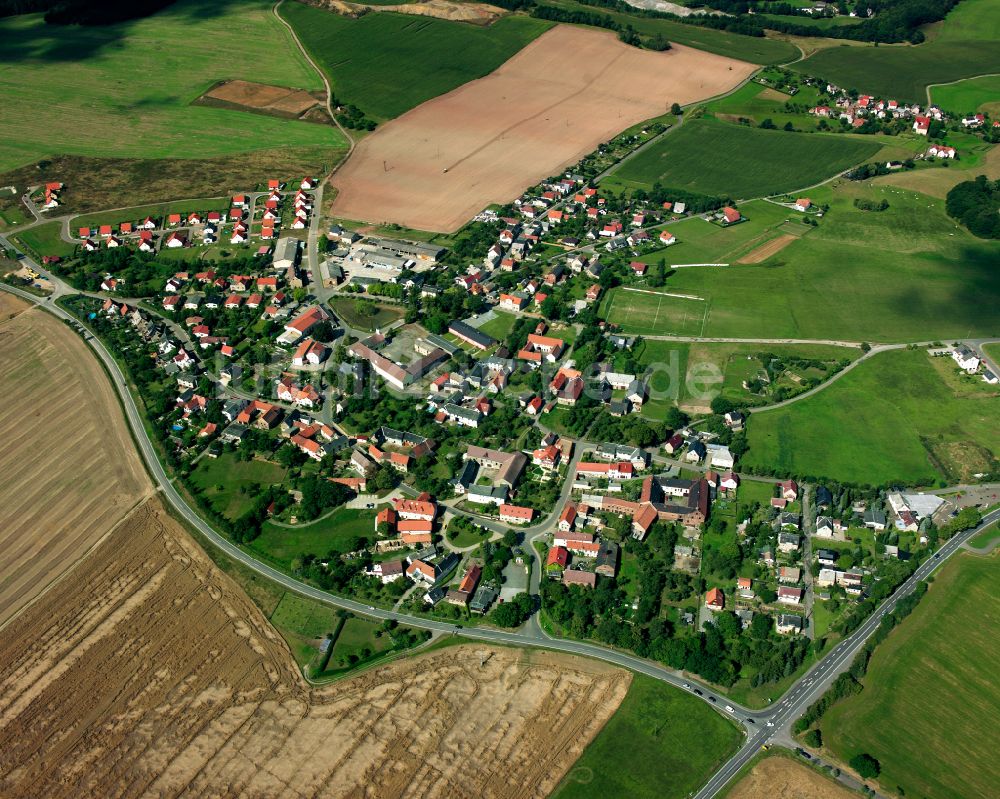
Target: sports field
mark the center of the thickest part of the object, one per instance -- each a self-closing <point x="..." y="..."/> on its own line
<point x="894" y="417"/>
<point x="663" y="743"/>
<point x="970" y="96"/>
<point x="126" y="90"/>
<point x="932" y="685"/>
<point x="387" y="63"/>
<point x="646" y="312"/>
<point x="906" y="274"/>
<point x="713" y="157"/>
<point x="441" y="163"/>
<point x="965" y="45"/>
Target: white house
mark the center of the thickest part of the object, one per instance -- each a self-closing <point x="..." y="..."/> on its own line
<point x="966" y="359"/>
<point x="941" y="151"/>
<point x="667" y="238"/>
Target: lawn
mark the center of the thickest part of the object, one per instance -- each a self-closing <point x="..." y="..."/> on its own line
<point x="46" y="240"/>
<point x="969" y="96"/>
<point x="906" y="274"/>
<point x="660" y="743"/>
<point x="350" y="310"/>
<point x="221" y="480"/>
<point x="890" y="419"/>
<point x="965" y="45"/>
<point x="126" y="90"/>
<point x="713" y="157"/>
<point x="929" y="684"/>
<point x="500" y="325"/>
<point x="387" y="63"/>
<point x="334" y="533"/>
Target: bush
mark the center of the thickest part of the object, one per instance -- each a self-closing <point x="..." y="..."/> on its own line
<point x="866" y="765"/>
<point x="813" y="738"/>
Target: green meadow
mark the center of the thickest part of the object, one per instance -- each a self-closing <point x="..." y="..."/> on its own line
<point x="335" y="532"/>
<point x="387" y="63"/>
<point x="713" y="157"/>
<point x="908" y="273"/>
<point x="894" y="418"/>
<point x="930" y="684"/>
<point x="126" y="90"/>
<point x="661" y="742"/>
<point x="966" y="44"/>
<point x="969" y="96"/>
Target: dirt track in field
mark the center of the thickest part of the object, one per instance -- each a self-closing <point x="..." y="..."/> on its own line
<point x="150" y="674"/>
<point x="781" y="778"/>
<point x="70" y="471"/>
<point x="765" y="251"/>
<point x="438" y="165"/>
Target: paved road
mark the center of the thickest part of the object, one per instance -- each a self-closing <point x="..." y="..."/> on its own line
<point x="808" y="688"/>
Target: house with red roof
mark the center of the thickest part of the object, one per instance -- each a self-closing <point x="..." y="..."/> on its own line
<point x="715" y="599"/>
<point x="730" y="216"/>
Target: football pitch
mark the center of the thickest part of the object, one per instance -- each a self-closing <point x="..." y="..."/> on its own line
<point x="657" y="313"/>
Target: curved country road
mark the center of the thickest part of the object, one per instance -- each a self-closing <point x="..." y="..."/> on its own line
<point x="779" y="716"/>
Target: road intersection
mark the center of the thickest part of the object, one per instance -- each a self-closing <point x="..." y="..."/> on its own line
<point x="763" y="726"/>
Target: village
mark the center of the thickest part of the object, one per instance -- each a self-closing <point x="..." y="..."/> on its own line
<point x="461" y="457"/>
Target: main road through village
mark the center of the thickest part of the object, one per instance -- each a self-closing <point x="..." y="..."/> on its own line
<point x="771" y="724"/>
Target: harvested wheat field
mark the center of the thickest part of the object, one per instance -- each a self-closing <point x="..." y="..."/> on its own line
<point x="151" y="674"/>
<point x="436" y="166"/>
<point x="782" y="778"/>
<point x="70" y="472"/>
<point x="475" y="13"/>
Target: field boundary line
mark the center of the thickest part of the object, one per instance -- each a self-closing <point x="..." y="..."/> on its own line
<point x="960" y="80"/>
<point x="662" y="294"/>
<point x="72" y="567"/>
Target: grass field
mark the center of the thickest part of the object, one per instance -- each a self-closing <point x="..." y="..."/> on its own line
<point x="662" y="743"/>
<point x="714" y="157"/>
<point x="45" y="240"/>
<point x="928" y="685"/>
<point x="890" y="419"/>
<point x="969" y="96"/>
<point x="335" y="532"/>
<point x="500" y="325"/>
<point x="221" y="480"/>
<point x="965" y="45"/>
<point x="347" y="309"/>
<point x="701" y="242"/>
<point x="75" y="90"/>
<point x="387" y="63"/>
<point x="692" y="374"/>
<point x="906" y="274"/>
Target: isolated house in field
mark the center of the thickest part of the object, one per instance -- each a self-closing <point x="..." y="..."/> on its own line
<point x="730" y="216"/>
<point x="803" y="204"/>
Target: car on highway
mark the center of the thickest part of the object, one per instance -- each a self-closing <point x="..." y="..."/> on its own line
<point x="750" y="720"/>
<point x="770" y="724"/>
<point x="730" y="709"/>
<point x="687" y="685"/>
<point x="711" y="699"/>
<point x="698" y="692"/>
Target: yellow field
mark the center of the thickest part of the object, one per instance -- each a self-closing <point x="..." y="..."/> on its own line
<point x="70" y="471"/>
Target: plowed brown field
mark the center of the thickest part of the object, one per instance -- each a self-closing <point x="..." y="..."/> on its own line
<point x="436" y="166"/>
<point x="150" y="674"/>
<point x="70" y="471"/>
